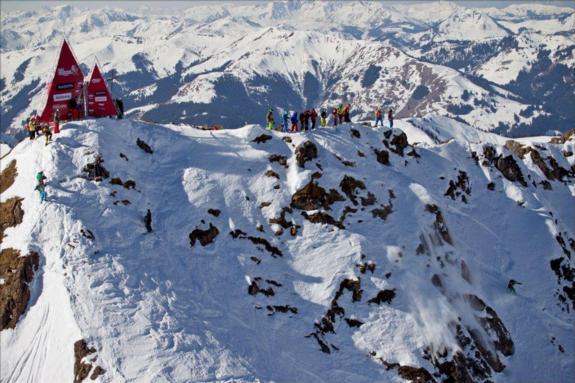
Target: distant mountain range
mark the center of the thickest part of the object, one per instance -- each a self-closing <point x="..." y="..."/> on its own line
<point x="507" y="70"/>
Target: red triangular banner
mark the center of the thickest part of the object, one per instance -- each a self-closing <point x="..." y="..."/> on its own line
<point x="100" y="102"/>
<point x="65" y="90"/>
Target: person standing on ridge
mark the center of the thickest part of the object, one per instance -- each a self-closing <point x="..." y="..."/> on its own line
<point x="32" y="127"/>
<point x="56" y="119"/>
<point x="47" y="133"/>
<point x="378" y="116"/>
<point x="334" y="115"/>
<point x="270" y="119"/>
<point x="294" y="122"/>
<point x="340" y="113"/>
<point x="285" y="118"/>
<point x="302" y="121"/>
<point x="41" y="186"/>
<point x="313" y="118"/>
<point x="390" y="118"/>
<point x="323" y="118"/>
<point x="307" y="116"/>
<point x="346" y="113"/>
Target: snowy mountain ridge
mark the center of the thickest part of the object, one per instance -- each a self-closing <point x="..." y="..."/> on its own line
<point x="173" y="68"/>
<point x="342" y="254"/>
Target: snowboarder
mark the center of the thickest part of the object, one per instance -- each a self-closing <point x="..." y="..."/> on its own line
<point x="47" y="133"/>
<point x="41" y="187"/>
<point x="390" y="118"/>
<point x="56" y="120"/>
<point x="334" y="116"/>
<point x="148" y="221"/>
<point x="294" y="122"/>
<point x="323" y="118"/>
<point x="270" y="119"/>
<point x="285" y="118"/>
<point x="511" y="286"/>
<point x="378" y="116"/>
<point x="313" y="118"/>
<point x="302" y="121"/>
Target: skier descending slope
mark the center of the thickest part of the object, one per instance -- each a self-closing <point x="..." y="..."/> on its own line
<point x="270" y="119"/>
<point x="148" y="221"/>
<point x="285" y="118"/>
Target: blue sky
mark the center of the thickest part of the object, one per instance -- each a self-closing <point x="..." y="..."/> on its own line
<point x="26" y="5"/>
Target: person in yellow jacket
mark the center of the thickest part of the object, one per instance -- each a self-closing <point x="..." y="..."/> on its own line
<point x="32" y="126"/>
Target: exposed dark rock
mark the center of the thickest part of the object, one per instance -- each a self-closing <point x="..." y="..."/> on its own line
<point x="87" y="234"/>
<point x="254" y="289"/>
<point x="96" y="171"/>
<point x="271" y="173"/>
<point x="214" y="212"/>
<point x="265" y="204"/>
<point x="116" y="181"/>
<point x="130" y="184"/>
<point x="122" y="155"/>
<point x="305" y="152"/>
<point x="282" y="309"/>
<point x="491" y="186"/>
<point x="383" y="212"/>
<point x="98" y="371"/>
<point x="17" y="273"/>
<point x="144" y="146"/>
<point x="369" y="200"/>
<point x="8" y="176"/>
<point x="398" y="143"/>
<point x="237" y="233"/>
<point x="459" y="188"/>
<point x="489" y="153"/>
<point x="355" y="133"/>
<point x="360" y="153"/>
<point x="385" y="296"/>
<point x="363" y="267"/>
<point x="282" y="160"/>
<point x="510" y="170"/>
<point x="353" y="322"/>
<point x="321" y="217"/>
<point x="81" y="369"/>
<point x="413" y="374"/>
<point x="563" y="138"/>
<point x="11" y="214"/>
<point x="316" y="176"/>
<point x="439" y="224"/>
<point x="348" y="185"/>
<point x="205" y="237"/>
<point x="262" y="139"/>
<point x="287" y="139"/>
<point x="312" y="197"/>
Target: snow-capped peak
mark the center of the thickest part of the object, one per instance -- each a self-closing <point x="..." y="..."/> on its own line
<point x="468" y="25"/>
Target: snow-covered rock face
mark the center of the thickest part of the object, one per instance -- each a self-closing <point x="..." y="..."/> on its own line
<point x="227" y="65"/>
<point x="344" y="254"/>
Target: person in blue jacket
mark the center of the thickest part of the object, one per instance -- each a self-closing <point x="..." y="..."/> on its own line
<point x="294" y="122"/>
<point x="285" y="117"/>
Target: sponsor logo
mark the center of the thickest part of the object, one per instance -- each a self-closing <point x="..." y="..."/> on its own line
<point x="96" y="81"/>
<point x="62" y="97"/>
<point x="100" y="93"/>
<point x="66" y="85"/>
<point x="101" y="99"/>
<point x="70" y="72"/>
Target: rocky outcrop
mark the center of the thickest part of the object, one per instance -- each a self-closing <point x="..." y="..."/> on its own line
<point x="439" y="226"/>
<point x="305" y="152"/>
<point x="205" y="237"/>
<point x="349" y="185"/>
<point x="96" y="171"/>
<point x="273" y="250"/>
<point x="321" y="217"/>
<point x="82" y="367"/>
<point x="510" y="170"/>
<point x="382" y="156"/>
<point x="16" y="273"/>
<point x="262" y="139"/>
<point x="144" y="146"/>
<point x="11" y="214"/>
<point x="312" y="197"/>
<point x="8" y="176"/>
<point x="282" y="160"/>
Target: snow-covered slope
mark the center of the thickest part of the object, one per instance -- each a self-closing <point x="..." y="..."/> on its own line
<point x="356" y="260"/>
<point x="468" y="24"/>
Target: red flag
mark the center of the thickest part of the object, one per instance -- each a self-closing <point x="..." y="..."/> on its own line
<point x="100" y="102"/>
<point x="65" y="90"/>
